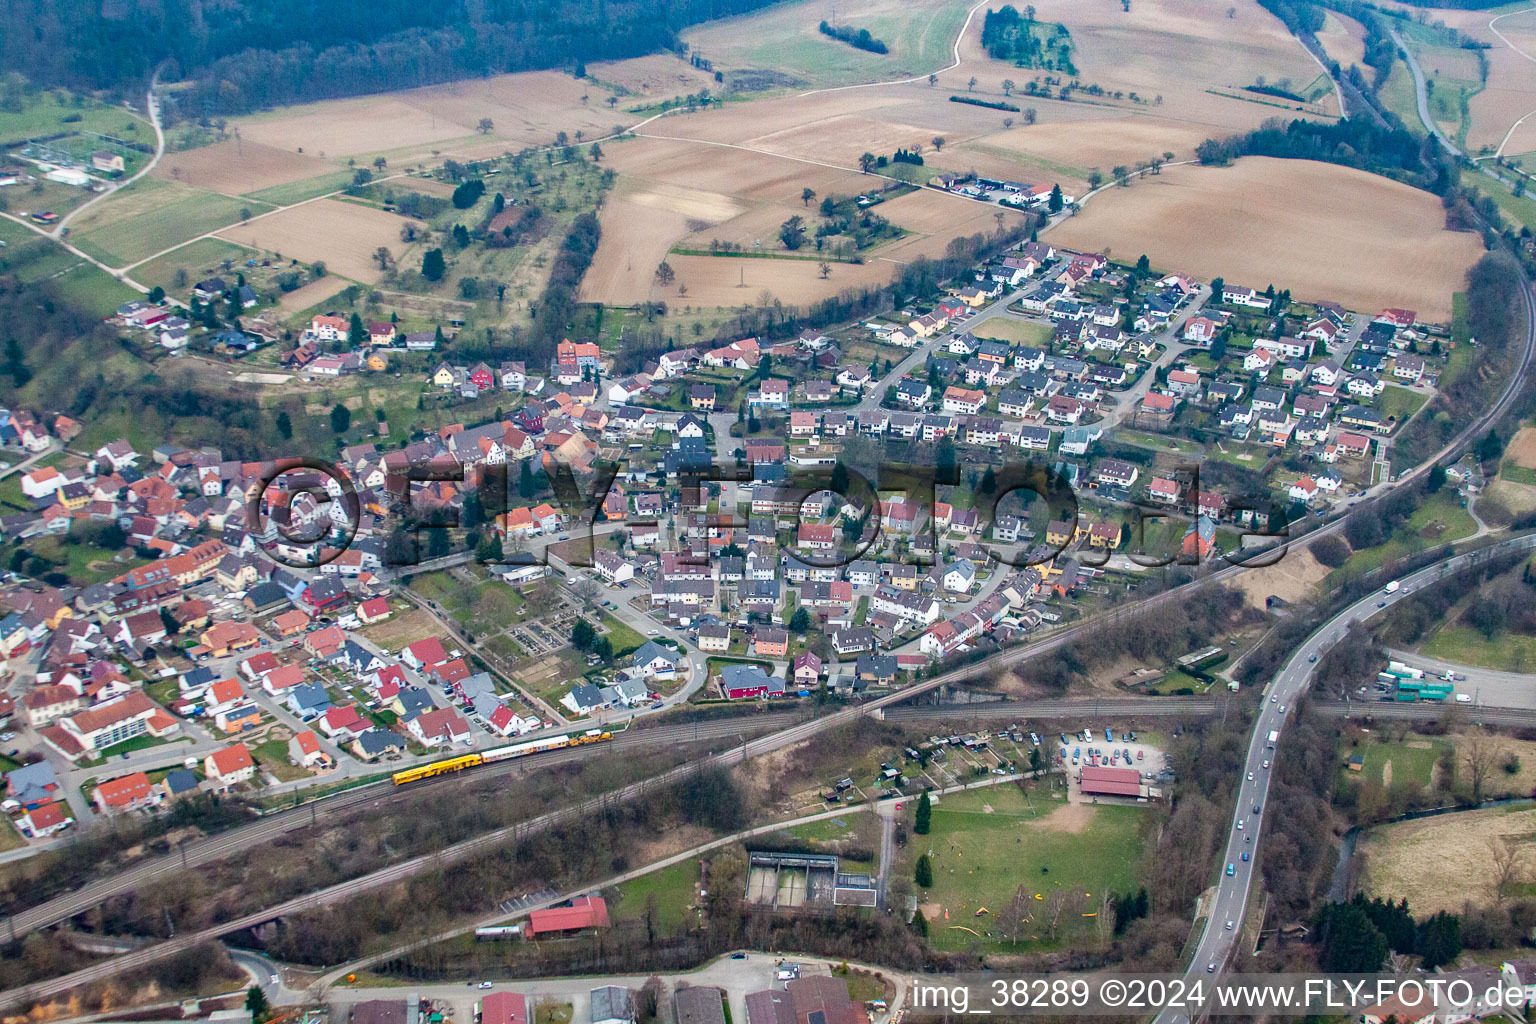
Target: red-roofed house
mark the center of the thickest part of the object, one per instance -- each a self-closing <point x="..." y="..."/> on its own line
<point x="424" y="653"/>
<point x="584" y="912"/>
<point x="44" y="821"/>
<point x="373" y="610"/>
<point x="229" y="767"/>
<point x="343" y="723"/>
<point x="440" y="726"/>
<point x="128" y="793"/>
<point x="258" y="665"/>
<point x="282" y="679"/>
<point x="304" y="750"/>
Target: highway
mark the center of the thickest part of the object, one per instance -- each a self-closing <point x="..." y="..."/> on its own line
<point x="1230" y="901"/>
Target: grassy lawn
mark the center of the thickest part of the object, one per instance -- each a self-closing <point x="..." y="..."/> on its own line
<point x="10" y="839"/>
<point x="1019" y="332"/>
<point x="1399" y="402"/>
<point x="674" y="888"/>
<point x="1160" y="441"/>
<point x="90" y="290"/>
<point x="198" y="259"/>
<point x="44" y="114"/>
<point x="549" y="1012"/>
<point x="273" y="757"/>
<point x="144" y="742"/>
<point x="151" y="215"/>
<point x="482" y="606"/>
<point x="1463" y="645"/>
<point x="1176" y="680"/>
<point x="1520" y="209"/>
<point x="1398" y="95"/>
<point x="1411" y="761"/>
<point x="85" y="563"/>
<point x="621" y="636"/>
<point x="1517" y="474"/>
<point x="987" y="843"/>
<point x="31" y="257"/>
<point x="1439" y="520"/>
<point x="298" y="191"/>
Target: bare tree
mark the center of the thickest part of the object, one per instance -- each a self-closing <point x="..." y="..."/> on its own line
<point x="1007" y="122"/>
<point x="1017" y="915"/>
<point x="825" y="268"/>
<point x="485" y="125"/>
<point x="1007" y="87"/>
<point x="932" y="78"/>
<point x="1030" y="115"/>
<point x="971" y="85"/>
<point x="938" y="143"/>
<point x="382" y="257"/>
<point x="1479" y="757"/>
<point x="1507" y="860"/>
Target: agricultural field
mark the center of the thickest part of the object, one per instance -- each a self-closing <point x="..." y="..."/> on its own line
<point x="784" y="39"/>
<point x="342" y="235"/>
<point x="988" y="842"/>
<point x="416" y="125"/>
<point x="1363" y="240"/>
<point x="676" y="195"/>
<point x="240" y="167"/>
<point x="1343" y="39"/>
<point x="150" y="216"/>
<point x="1438" y="863"/>
<point x="1177" y="51"/>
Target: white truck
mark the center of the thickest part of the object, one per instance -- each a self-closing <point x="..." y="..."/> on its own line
<point x="1274" y="736"/>
<point x="1392" y="588"/>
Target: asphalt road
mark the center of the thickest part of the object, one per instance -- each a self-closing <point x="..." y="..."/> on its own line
<point x="1230" y="900"/>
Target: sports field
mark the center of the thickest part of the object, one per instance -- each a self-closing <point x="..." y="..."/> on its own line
<point x="988" y="842"/>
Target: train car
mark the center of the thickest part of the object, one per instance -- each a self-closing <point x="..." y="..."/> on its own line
<point x="523" y="749"/>
<point x="456" y="764"/>
<point x="427" y="771"/>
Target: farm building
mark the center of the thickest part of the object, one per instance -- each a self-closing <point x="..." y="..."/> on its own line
<point x="584" y="912"/>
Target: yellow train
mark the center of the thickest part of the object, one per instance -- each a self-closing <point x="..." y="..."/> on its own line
<point x="458" y="764"/>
